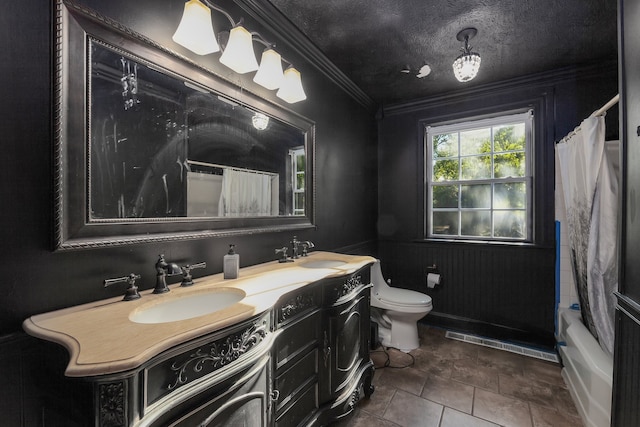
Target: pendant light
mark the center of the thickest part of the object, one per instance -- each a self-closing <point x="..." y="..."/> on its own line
<point x="467" y="64"/>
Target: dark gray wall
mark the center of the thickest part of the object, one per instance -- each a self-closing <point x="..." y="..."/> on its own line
<point x="39" y="280"/>
<point x="495" y="289"/>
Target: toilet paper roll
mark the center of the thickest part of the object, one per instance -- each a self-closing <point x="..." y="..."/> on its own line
<point x="433" y="279"/>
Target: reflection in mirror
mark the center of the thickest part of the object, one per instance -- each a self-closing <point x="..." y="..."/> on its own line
<point x="162" y="146"/>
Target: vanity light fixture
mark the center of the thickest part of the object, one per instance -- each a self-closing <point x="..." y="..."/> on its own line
<point x="270" y="73"/>
<point x="291" y="90"/>
<point x="467" y="64"/>
<point x="238" y="54"/>
<point x="196" y="33"/>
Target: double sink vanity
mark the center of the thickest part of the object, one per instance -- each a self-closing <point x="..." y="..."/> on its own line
<point x="285" y="344"/>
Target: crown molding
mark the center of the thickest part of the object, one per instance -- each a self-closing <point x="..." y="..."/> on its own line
<point x="275" y="22"/>
<point x="543" y="79"/>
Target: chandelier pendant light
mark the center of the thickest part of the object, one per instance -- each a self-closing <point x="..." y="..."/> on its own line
<point x="467" y="64"/>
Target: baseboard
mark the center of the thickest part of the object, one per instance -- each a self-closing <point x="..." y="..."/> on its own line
<point x="534" y="339"/>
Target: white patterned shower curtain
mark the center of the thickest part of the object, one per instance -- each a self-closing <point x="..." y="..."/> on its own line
<point x="591" y="202"/>
<point x="245" y="194"/>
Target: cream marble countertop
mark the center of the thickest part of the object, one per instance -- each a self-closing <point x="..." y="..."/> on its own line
<point x="101" y="339"/>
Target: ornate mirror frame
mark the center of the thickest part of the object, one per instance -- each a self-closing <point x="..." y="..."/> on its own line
<point x="74" y="229"/>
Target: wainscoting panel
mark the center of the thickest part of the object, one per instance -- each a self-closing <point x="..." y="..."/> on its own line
<point x="510" y="288"/>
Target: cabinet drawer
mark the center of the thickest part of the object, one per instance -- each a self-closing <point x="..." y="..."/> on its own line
<point x="297" y="304"/>
<point x="297" y="338"/>
<point x="344" y="287"/>
<point x="302" y="408"/>
<point x="295" y="378"/>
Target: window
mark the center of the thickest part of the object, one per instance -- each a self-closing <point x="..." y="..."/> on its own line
<point x="298" y="163"/>
<point x="479" y="179"/>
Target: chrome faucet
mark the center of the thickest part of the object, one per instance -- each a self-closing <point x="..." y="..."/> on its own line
<point x="284" y="258"/>
<point x="163" y="268"/>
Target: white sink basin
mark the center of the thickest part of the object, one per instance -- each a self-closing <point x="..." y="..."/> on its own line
<point x="187" y="307"/>
<point x="328" y="263"/>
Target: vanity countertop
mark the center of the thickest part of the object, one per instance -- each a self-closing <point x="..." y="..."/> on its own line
<point x="101" y="338"/>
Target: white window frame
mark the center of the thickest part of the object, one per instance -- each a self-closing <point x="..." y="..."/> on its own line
<point x="527" y="179"/>
<point x="294" y="154"/>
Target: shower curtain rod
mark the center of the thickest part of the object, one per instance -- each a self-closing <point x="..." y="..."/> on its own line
<point x="613" y="101"/>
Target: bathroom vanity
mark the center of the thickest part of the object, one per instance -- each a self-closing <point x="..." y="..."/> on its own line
<point x="285" y="344"/>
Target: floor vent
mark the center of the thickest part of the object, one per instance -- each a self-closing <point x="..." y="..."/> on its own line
<point x="488" y="342"/>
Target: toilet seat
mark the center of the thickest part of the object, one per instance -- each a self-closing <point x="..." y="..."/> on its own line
<point x="401" y="299"/>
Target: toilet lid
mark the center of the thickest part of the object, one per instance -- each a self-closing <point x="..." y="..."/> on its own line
<point x="404" y="297"/>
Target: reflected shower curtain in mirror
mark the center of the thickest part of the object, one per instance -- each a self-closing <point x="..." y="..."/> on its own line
<point x="245" y="194"/>
<point x="591" y="200"/>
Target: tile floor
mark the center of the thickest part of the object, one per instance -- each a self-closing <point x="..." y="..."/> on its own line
<point x="457" y="384"/>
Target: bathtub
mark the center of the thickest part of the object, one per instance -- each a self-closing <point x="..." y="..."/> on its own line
<point x="587" y="369"/>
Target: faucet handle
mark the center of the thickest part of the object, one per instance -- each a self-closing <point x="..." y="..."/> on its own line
<point x="132" y="290"/>
<point x="284" y="258"/>
<point x="187" y="280"/>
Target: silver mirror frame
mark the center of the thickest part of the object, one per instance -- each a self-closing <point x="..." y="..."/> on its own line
<point x="74" y="25"/>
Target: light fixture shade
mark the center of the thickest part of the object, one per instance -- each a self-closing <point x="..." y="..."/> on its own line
<point x="239" y="54"/>
<point x="195" y="31"/>
<point x="466" y="66"/>
<point x="270" y="73"/>
<point x="291" y="90"/>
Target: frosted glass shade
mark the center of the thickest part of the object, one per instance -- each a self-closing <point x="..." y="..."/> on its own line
<point x="291" y="90"/>
<point x="270" y="73"/>
<point x="466" y="66"/>
<point x="195" y="31"/>
<point x="239" y="55"/>
<point x="260" y="121"/>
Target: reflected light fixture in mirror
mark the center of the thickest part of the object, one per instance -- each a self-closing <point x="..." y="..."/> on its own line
<point x="238" y="54"/>
<point x="260" y="121"/>
<point x="195" y="31"/>
<point x="291" y="89"/>
<point x="467" y="64"/>
<point x="270" y="73"/>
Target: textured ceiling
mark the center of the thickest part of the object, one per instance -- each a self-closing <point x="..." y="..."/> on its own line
<point x="371" y="41"/>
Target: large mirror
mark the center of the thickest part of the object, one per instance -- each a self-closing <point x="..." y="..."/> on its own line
<point x="152" y="147"/>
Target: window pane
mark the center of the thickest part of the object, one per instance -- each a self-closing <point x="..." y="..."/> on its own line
<point x="445" y="145"/>
<point x="477" y="224"/>
<point x="445" y="170"/>
<point x="475" y="141"/>
<point x="509" y="164"/>
<point x="300" y="181"/>
<point x="445" y="196"/>
<point x="510" y="195"/>
<point x="300" y="163"/>
<point x="299" y="200"/>
<point x="475" y="196"/>
<point x="445" y="223"/>
<point x="476" y="167"/>
<point x="510" y="224"/>
<point x="508" y="138"/>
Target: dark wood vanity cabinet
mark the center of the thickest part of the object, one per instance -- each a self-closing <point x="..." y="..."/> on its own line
<point x="321" y="363"/>
<point x="303" y="363"/>
<point x="346" y="370"/>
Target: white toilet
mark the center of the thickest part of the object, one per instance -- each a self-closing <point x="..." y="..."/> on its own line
<point x="397" y="311"/>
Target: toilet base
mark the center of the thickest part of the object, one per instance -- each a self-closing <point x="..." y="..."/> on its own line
<point x="401" y="334"/>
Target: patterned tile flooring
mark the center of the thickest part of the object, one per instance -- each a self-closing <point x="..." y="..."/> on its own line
<point x="449" y="383"/>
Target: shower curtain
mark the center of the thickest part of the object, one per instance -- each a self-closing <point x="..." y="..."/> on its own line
<point x="591" y="202"/>
<point x="245" y="194"/>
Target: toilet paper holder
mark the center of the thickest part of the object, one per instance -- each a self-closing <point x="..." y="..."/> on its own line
<point x="433" y="276"/>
